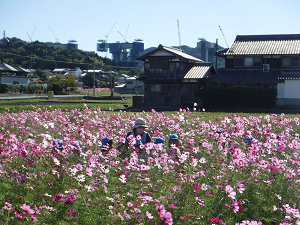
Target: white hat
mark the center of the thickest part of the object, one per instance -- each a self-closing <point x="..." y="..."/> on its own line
<point x="140" y="122"/>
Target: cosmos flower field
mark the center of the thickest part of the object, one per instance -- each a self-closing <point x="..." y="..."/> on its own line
<point x="232" y="170"/>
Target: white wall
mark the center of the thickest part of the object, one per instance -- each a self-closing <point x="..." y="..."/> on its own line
<point x="291" y="89"/>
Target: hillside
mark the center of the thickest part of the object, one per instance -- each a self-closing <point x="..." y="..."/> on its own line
<point x="36" y="54"/>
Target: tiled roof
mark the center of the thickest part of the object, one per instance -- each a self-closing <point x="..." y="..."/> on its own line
<point x="264" y="44"/>
<point x="178" y="52"/>
<point x="289" y="75"/>
<point x="245" y="76"/>
<point x="197" y="70"/>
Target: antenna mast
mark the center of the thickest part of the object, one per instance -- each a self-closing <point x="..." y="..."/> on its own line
<point x="179" y="34"/>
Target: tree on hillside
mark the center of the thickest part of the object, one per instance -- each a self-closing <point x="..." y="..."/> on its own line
<point x="88" y="80"/>
<point x="69" y="81"/>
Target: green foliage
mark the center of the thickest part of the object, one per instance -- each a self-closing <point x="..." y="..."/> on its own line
<point x="56" y="87"/>
<point x="47" y="57"/>
<point x="237" y="96"/>
<point x="3" y="88"/>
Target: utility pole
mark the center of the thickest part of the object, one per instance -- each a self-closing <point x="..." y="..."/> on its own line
<point x="216" y="55"/>
<point x="94" y="83"/>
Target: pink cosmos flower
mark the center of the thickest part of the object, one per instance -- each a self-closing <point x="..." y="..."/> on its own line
<point x="129" y="204"/>
<point x="173" y="206"/>
<point x="149" y="215"/>
<point x="34" y="218"/>
<point x="27" y="209"/>
<point x="79" y="166"/>
<point x="89" y="152"/>
<point x="196" y="187"/>
<point x="136" y="204"/>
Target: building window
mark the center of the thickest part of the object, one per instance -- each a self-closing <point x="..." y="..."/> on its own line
<point x="252" y="61"/>
<point x="155" y="88"/>
<point x="291" y="61"/>
<point x="238" y="62"/>
<point x="159" y="63"/>
<point x="247" y="62"/>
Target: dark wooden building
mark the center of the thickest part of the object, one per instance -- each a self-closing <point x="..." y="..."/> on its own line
<point x="264" y="60"/>
<point x="171" y="77"/>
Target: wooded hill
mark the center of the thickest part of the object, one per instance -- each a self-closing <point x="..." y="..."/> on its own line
<point x="36" y="54"/>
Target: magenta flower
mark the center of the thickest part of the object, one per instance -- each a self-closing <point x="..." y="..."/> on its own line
<point x="73" y="212"/>
<point x="57" y="198"/>
<point x="68" y="199"/>
<point x="173" y="206"/>
<point x="136" y="204"/>
<point x="196" y="187"/>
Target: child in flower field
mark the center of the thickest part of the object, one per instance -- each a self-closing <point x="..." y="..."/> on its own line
<point x="58" y="144"/>
<point x="159" y="140"/>
<point x="173" y="150"/>
<point x="136" y="138"/>
<point x="106" y="145"/>
<point x="139" y="130"/>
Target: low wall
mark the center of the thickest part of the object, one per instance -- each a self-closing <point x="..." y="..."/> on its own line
<point x="288" y="103"/>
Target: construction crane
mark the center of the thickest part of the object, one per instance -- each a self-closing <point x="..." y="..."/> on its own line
<point x="123" y="37"/>
<point x="223" y="35"/>
<point x="53" y="35"/>
<point x="30" y="37"/>
<point x="109" y="32"/>
<point x="179" y="34"/>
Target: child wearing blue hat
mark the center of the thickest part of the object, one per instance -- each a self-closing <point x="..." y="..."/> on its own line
<point x="106" y="144"/>
<point x="159" y="140"/>
<point x="173" y="150"/>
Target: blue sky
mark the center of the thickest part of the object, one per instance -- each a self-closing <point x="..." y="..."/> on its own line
<point x="153" y="21"/>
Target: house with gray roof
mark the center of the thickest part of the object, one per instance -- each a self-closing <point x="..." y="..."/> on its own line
<point x="265" y="60"/>
<point x="171" y="77"/>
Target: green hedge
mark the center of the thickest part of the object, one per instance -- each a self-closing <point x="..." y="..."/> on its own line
<point x="25" y="89"/>
<point x="218" y="95"/>
<point x="3" y="88"/>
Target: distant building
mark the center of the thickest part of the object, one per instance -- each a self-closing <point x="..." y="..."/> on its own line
<point x="132" y="86"/>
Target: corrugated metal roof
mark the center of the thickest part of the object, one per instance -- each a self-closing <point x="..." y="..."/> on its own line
<point x="264" y="44"/>
<point x="197" y="71"/>
<point x="180" y="53"/>
<point x="8" y="68"/>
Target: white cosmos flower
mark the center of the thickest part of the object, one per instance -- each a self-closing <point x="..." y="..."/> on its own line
<point x="46" y="126"/>
<point x="73" y="171"/>
<point x="48" y="137"/>
<point x="202" y="160"/>
<point x="122" y="178"/>
<point x="56" y="161"/>
<point x="81" y="178"/>
<point x="51" y="125"/>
